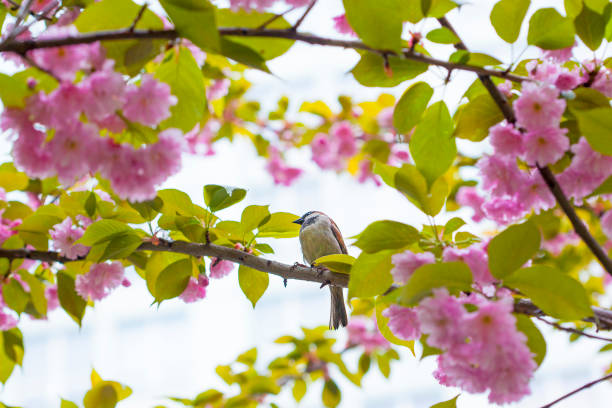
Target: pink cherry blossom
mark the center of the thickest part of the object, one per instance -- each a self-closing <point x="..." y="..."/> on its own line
<point x="70" y="148"/>
<point x="259" y="5"/>
<point x="195" y="290"/>
<point x="606" y="224"/>
<point x="342" y="25"/>
<point x="364" y="332"/>
<point x="298" y="3"/>
<point x="504" y="210"/>
<point x="545" y="145"/>
<point x="405" y="263"/>
<point x="39" y="5"/>
<point x="568" y="80"/>
<point x="7" y="227"/>
<point x="280" y="171"/>
<point x="365" y="173"/>
<point x="501" y="175"/>
<point x="585" y="157"/>
<point x="556" y="245"/>
<point x="603" y="82"/>
<point x="220" y="268"/>
<point x="7" y="321"/>
<point x="330" y="151"/>
<point x="538" y="107"/>
<point x="403" y="322"/>
<point x="199" y="141"/>
<point x="385" y="118"/>
<point x="476" y="257"/>
<point x="61" y="107"/>
<point x="505" y="88"/>
<point x="64" y="236"/>
<point x="218" y="89"/>
<point x="439" y="317"/>
<point x="150" y="102"/>
<point x="165" y="155"/>
<point x="324" y="153"/>
<point x="506" y="140"/>
<point x="343" y="134"/>
<point x="578" y="182"/>
<point x="469" y="197"/>
<point x="52" y="297"/>
<point x="560" y="55"/>
<point x="105" y="93"/>
<point x="100" y="281"/>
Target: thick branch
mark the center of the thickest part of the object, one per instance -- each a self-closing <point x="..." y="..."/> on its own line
<point x="602" y="317"/>
<point x="546" y="173"/>
<point x="22" y="46"/>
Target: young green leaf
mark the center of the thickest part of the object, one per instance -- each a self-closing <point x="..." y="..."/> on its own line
<point x="535" y="340"/>
<point x="550" y="30"/>
<point x="376" y="22"/>
<point x="555" y="293"/>
<point x="386" y="234"/>
<point x="410" y="107"/>
<point x="455" y="276"/>
<point x="370" y="274"/>
<point x="70" y="301"/>
<point x="254" y="216"/>
<point x="340" y="263"/>
<point x="370" y="70"/>
<point x="194" y="20"/>
<point x="507" y="17"/>
<point x="476" y="117"/>
<point x="219" y="197"/>
<point x="510" y="250"/>
<point x="596" y="126"/>
<point x="253" y="283"/>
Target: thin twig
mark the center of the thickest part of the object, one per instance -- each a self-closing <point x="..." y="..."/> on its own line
<point x="577" y="390"/>
<point x="546" y="173"/>
<point x="38" y="16"/>
<point x="301" y="19"/>
<point x="170" y="34"/>
<point x="24" y="10"/>
<point x="572" y="330"/>
<point x="138" y="17"/>
<point x="274" y="18"/>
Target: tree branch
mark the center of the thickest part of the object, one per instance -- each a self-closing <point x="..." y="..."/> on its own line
<point x="602" y="317"/>
<point x="584" y="387"/>
<point x="22" y="46"/>
<point x="572" y="330"/>
<point x="545" y="172"/>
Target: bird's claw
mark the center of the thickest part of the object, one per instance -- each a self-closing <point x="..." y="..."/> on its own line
<point x="324" y="284"/>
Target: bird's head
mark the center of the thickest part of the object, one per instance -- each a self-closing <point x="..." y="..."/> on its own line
<point x="309" y="218"/>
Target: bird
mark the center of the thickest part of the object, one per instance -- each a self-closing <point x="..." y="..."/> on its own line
<point x="320" y="236"/>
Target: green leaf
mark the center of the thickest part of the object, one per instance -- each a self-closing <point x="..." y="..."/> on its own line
<point x="432" y="145"/>
<point x="6" y="364"/>
<point x="451" y="226"/>
<point x="34" y="230"/>
<point x="370" y="274"/>
<point x="476" y="117"/>
<point x="105" y="394"/>
<point x="268" y="48"/>
<point x="70" y="301"/>
<point x="103" y="230"/>
<point x="510" y="250"/>
<point x="331" y="394"/>
<point x="194" y="20"/>
<point x="37" y="292"/>
<point x="507" y="17"/>
<point x="596" y="126"/>
<point x="442" y="35"/>
<point x="590" y="27"/>
<point x="130" y="55"/>
<point x="597" y="5"/>
<point x="370" y="70"/>
<point x="555" y="293"/>
<point x="254" y="216"/>
<point x="410" y="107"/>
<point x="13" y="90"/>
<point x="376" y="22"/>
<point x="13" y="180"/>
<point x="535" y="340"/>
<point x="11" y="344"/>
<point x="68" y="404"/>
<point x="182" y="73"/>
<point x="148" y="209"/>
<point x="386" y="172"/>
<point x="120" y="246"/>
<point x="604" y="188"/>
<point x="340" y="263"/>
<point x="167" y="275"/>
<point x="280" y="225"/>
<point x="572" y="7"/>
<point x="219" y="197"/>
<point x="455" y="276"/>
<point x="252" y="282"/>
<point x="15" y="296"/>
<point x="550" y="30"/>
<point x="451" y="403"/>
<point x="243" y="54"/>
<point x="386" y="235"/>
<point x="299" y="389"/>
<point x="413" y="185"/>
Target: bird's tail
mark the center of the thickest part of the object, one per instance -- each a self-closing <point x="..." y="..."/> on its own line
<point x="337" y="315"/>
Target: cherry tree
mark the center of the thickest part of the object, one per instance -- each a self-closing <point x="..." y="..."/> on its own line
<point x="105" y="98"/>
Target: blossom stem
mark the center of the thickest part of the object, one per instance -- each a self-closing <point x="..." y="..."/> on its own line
<point x="572" y="330"/>
<point x="22" y="46"/>
<point x="547" y="174"/>
<point x="585" y="386"/>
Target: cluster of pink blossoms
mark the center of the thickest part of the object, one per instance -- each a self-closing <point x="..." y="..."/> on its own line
<point x="220" y="268"/>
<point x="100" y="281"/>
<point x="280" y="171"/>
<point x="111" y="106"/>
<point x="64" y="236"/>
<point x="538" y="139"/>
<point x="195" y="290"/>
<point x="475" y="256"/>
<point x="330" y="151"/>
<point x="482" y="349"/>
<point x="262" y="5"/>
<point x="364" y="332"/>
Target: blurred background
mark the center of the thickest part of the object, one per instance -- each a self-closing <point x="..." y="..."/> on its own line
<point x="173" y="349"/>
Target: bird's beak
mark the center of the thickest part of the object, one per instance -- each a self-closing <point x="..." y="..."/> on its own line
<point x="299" y="221"/>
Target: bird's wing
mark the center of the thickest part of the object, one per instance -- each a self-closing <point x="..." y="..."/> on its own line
<point x="338" y="236"/>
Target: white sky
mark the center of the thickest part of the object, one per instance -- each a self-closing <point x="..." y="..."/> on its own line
<point x="173" y="350"/>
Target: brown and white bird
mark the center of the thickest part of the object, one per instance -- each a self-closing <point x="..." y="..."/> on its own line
<point x="320" y="236"/>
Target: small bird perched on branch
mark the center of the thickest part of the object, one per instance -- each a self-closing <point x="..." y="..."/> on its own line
<point x="320" y="236"/>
